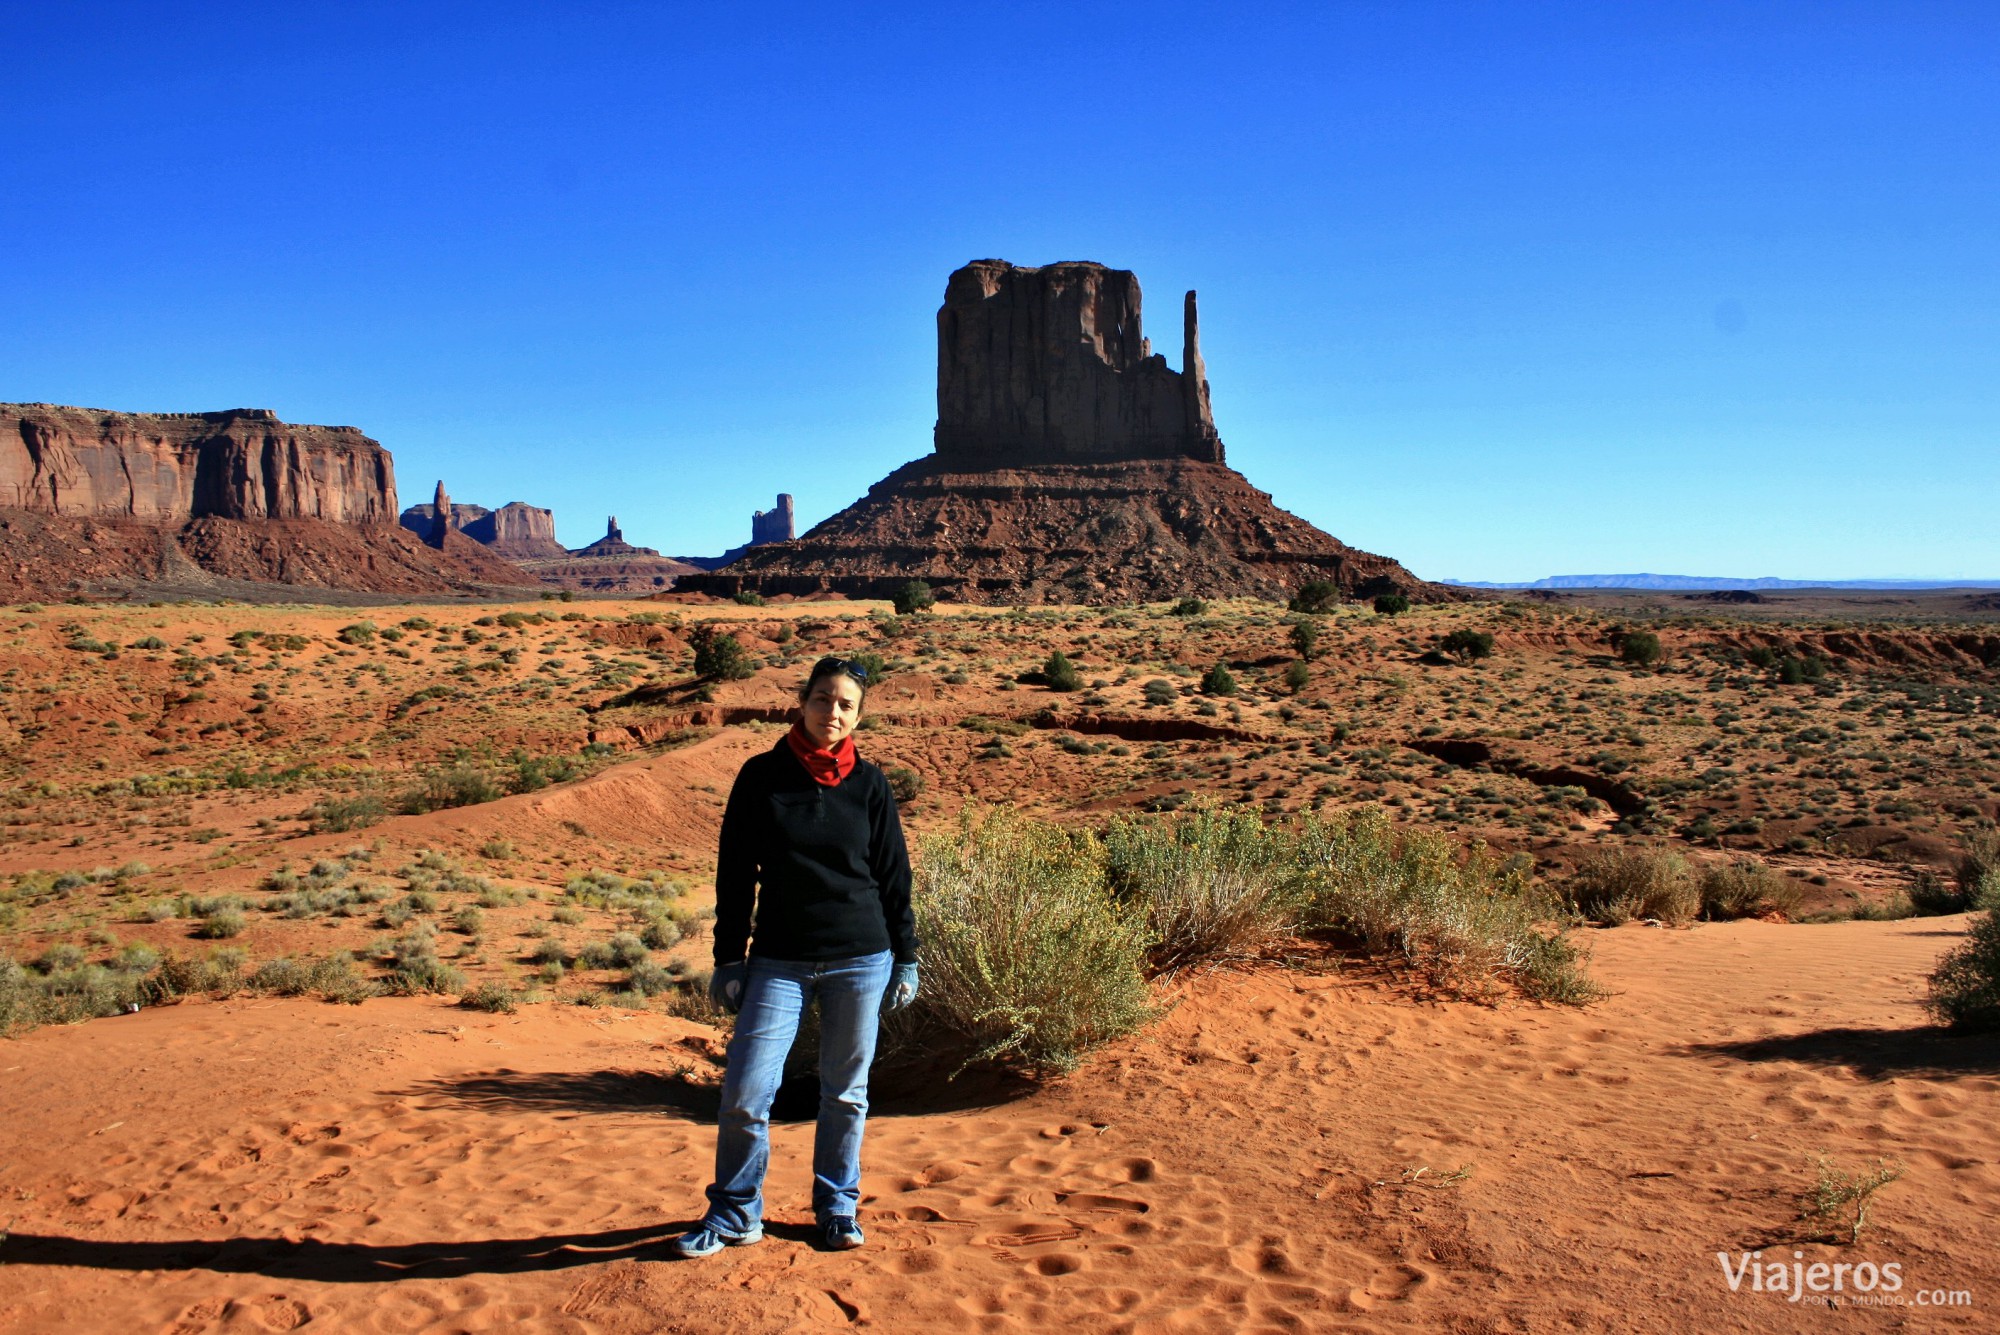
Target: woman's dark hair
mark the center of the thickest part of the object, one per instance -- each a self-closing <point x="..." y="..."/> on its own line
<point x="832" y="666"/>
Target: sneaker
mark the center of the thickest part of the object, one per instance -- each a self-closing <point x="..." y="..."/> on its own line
<point x="707" y="1240"/>
<point x="840" y="1233"/>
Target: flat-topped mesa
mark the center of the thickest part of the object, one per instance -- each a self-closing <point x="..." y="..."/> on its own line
<point x="1050" y="365"/>
<point x="169" y="468"/>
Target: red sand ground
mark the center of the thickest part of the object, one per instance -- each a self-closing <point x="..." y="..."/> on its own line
<point x="1272" y="1156"/>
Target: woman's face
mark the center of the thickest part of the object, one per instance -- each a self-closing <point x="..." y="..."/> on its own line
<point x="832" y="708"/>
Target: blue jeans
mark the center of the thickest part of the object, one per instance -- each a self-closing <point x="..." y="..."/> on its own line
<point x="775" y="996"/>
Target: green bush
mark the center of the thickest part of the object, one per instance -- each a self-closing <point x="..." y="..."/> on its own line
<point x="1305" y="638"/>
<point x="1189" y="606"/>
<point x="458" y="785"/>
<point x="1979" y="868"/>
<point x="1316" y="595"/>
<point x="905" y="785"/>
<point x="360" y="633"/>
<point x="1061" y="674"/>
<point x="1466" y="644"/>
<point x="1159" y="691"/>
<point x="1965" y="986"/>
<point x="1640" y="648"/>
<point x="720" y="655"/>
<point x="1618" y="885"/>
<point x="1297" y="674"/>
<point x="1391" y="604"/>
<point x="748" y="597"/>
<point x="1931" y="895"/>
<point x="1027" y="957"/>
<point x="337" y="815"/>
<point x="1213" y="881"/>
<point x="1744" y="890"/>
<point x="916" y="596"/>
<point x="1218" y="680"/>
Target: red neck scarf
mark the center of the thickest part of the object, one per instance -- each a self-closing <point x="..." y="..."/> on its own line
<point x="826" y="767"/>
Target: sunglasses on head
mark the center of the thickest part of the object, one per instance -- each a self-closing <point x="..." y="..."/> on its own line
<point x="847" y="665"/>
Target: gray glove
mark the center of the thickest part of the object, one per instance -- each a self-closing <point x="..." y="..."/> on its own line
<point x="902" y="989"/>
<point x="725" y="985"/>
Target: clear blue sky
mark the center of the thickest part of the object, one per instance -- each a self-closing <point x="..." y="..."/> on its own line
<point x="1501" y="290"/>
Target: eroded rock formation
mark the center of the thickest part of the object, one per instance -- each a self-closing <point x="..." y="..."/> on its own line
<point x="163" y="502"/>
<point x="1051" y="364"/>
<point x="610" y="565"/>
<point x="774" y="524"/>
<point x="168" y="468"/>
<point x="1071" y="464"/>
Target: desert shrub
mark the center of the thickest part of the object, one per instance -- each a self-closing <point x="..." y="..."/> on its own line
<point x="343" y="814"/>
<point x="1798" y="671"/>
<point x="414" y="967"/>
<point x="916" y="596"/>
<point x="1189" y="606"/>
<point x="1316" y="595"/>
<point x="1979" y="868"/>
<point x="1061" y="674"/>
<point x="135" y="957"/>
<point x="360" y="633"/>
<point x="494" y="997"/>
<point x="1391" y="604"/>
<point x="1640" y="648"/>
<point x="61" y="956"/>
<point x="1744" y="890"/>
<point x="1466" y="922"/>
<point x="1839" y="1200"/>
<point x="469" y="921"/>
<point x="626" y="949"/>
<point x="1218" y="680"/>
<point x="1028" y="959"/>
<point x="1213" y="881"/>
<point x="1618" y="885"/>
<point x="1159" y="691"/>
<point x="66" y="996"/>
<point x="1297" y="674"/>
<point x="876" y="666"/>
<point x="180" y="976"/>
<point x="1931" y="895"/>
<point x="661" y="932"/>
<point x="720" y="655"/>
<point x="905" y="785"/>
<point x="283" y="977"/>
<point x="1965" y="986"/>
<point x="650" y="980"/>
<point x="549" y="951"/>
<point x="221" y="924"/>
<point x="457" y="785"/>
<point x="1466" y="644"/>
<point x="748" y="597"/>
<point x="1305" y="638"/>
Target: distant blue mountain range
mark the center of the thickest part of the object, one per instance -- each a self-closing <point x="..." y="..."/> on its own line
<point x="1700" y="582"/>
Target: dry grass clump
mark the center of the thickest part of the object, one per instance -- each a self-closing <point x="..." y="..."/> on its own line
<point x="1619" y="885"/>
<point x="1028" y="958"/>
<point x="1466" y="921"/>
<point x="1745" y="889"/>
<point x="1965" y="986"/>
<point x="1214" y="881"/>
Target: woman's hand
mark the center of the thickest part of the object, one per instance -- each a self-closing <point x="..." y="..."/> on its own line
<point x="725" y="985"/>
<point x="902" y="988"/>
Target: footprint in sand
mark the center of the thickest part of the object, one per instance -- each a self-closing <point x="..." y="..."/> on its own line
<point x="1396" y="1284"/>
<point x="1128" y="1170"/>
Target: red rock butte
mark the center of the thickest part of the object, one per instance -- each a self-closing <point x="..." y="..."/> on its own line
<point x="1070" y="464"/>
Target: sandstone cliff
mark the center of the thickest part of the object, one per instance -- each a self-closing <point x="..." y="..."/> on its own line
<point x="171" y="504"/>
<point x="1071" y="464"/>
<point x="174" y="467"/>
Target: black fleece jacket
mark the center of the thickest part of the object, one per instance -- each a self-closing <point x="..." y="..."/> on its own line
<point x="825" y="866"/>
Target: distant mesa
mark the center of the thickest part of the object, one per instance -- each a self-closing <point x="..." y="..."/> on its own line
<point x="90" y="499"/>
<point x="516" y="531"/>
<point x="1069" y="463"/>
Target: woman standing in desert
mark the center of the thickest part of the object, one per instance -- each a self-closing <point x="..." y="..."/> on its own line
<point x="812" y="901"/>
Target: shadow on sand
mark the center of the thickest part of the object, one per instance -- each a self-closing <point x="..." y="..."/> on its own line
<point x="1876" y="1054"/>
<point x="346" y="1262"/>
